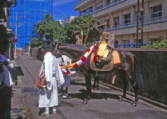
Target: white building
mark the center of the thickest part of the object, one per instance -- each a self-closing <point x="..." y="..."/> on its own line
<point x="124" y="13"/>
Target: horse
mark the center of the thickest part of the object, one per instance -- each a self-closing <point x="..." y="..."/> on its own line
<point x="125" y="69"/>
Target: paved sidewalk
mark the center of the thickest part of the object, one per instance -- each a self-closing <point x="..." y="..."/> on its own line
<point x="17" y="107"/>
<point x="104" y="104"/>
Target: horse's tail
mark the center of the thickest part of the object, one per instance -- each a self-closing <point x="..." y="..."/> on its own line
<point x="136" y="70"/>
<point x="132" y="61"/>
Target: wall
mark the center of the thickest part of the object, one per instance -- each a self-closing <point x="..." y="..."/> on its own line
<point x="152" y="70"/>
<point x="151" y="73"/>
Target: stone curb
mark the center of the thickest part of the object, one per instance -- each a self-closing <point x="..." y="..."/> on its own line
<point x="144" y="100"/>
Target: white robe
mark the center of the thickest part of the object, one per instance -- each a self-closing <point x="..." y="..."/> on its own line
<point x="67" y="60"/>
<point x="49" y="96"/>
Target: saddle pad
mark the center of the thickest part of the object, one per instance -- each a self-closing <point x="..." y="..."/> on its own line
<point x="115" y="60"/>
<point x="93" y="67"/>
<point x="102" y="50"/>
<point x="116" y="57"/>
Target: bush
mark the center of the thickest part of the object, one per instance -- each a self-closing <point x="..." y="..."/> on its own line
<point x="157" y="44"/>
<point x="35" y="42"/>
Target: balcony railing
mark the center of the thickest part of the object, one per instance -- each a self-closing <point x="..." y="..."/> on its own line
<point x="111" y="4"/>
<point x="102" y="7"/>
<point x="130" y="45"/>
<point x="152" y="21"/>
<point x="86" y="12"/>
<point x="80" y="2"/>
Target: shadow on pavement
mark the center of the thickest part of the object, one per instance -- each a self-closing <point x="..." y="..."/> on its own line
<point x="83" y="95"/>
<point x="78" y="83"/>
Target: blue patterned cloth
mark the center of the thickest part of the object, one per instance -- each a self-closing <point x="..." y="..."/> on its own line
<point x="67" y="82"/>
<point x="5" y="74"/>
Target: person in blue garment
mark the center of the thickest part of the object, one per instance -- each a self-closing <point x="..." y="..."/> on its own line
<point x="6" y="81"/>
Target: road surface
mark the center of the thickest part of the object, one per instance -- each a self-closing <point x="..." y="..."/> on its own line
<point x="104" y="104"/>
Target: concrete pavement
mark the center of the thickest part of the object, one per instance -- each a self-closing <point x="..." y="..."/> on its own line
<point x="104" y="104"/>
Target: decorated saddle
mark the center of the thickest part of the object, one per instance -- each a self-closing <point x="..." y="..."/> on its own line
<point x="104" y="57"/>
<point x="100" y="57"/>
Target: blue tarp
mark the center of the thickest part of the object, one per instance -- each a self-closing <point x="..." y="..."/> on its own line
<point x="29" y="12"/>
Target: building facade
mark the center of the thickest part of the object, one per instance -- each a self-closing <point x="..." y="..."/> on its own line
<point x="69" y="19"/>
<point x="4" y="11"/>
<point x="152" y="17"/>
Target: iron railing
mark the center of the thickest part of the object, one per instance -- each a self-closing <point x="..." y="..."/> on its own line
<point x="111" y="4"/>
<point x="149" y="22"/>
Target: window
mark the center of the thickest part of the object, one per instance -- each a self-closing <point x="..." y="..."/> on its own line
<point x="99" y="7"/>
<point x="116" y="44"/>
<point x="108" y="2"/>
<point x="127" y="19"/>
<point x="87" y="11"/>
<point x="156" y="12"/>
<point x="108" y="23"/>
<point x="116" y="20"/>
<point x="141" y="17"/>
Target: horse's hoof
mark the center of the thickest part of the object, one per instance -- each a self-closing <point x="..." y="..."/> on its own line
<point x="136" y="100"/>
<point x="120" y="98"/>
<point x="85" y="101"/>
<point x="134" y="104"/>
<point x="124" y="96"/>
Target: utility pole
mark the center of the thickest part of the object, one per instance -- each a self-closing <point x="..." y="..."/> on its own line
<point x="52" y="13"/>
<point x="140" y="21"/>
<point x="142" y="24"/>
<point x="16" y="38"/>
<point x="52" y="8"/>
<point x="137" y="24"/>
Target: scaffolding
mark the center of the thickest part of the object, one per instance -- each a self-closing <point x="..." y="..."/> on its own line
<point x="24" y="15"/>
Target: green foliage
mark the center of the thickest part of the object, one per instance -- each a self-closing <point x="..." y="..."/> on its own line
<point x="85" y="24"/>
<point x="157" y="44"/>
<point x="53" y="30"/>
<point x="35" y="41"/>
<point x="50" y="29"/>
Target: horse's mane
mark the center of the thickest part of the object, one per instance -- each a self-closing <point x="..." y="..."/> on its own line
<point x="74" y="51"/>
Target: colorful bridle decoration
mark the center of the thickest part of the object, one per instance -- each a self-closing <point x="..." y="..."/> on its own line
<point x="79" y="62"/>
<point x="68" y="72"/>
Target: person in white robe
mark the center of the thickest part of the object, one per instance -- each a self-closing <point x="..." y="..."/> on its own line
<point x="48" y="97"/>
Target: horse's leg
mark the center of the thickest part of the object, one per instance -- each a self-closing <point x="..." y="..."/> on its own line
<point x="135" y="86"/>
<point x="124" y="79"/>
<point x="88" y="84"/>
<point x="88" y="87"/>
<point x="96" y="80"/>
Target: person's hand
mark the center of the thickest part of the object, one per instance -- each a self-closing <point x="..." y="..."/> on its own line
<point x="48" y="84"/>
<point x="11" y="64"/>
